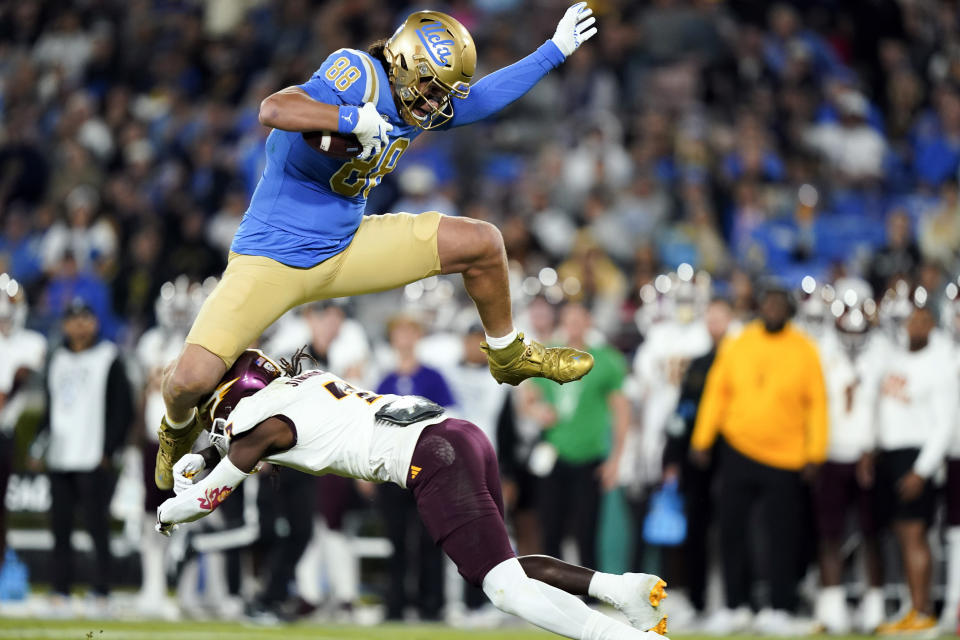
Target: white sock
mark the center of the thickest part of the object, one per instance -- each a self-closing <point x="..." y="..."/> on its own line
<point x="503" y="341"/>
<point x="511" y="591"/>
<point x="176" y="426"/>
<point x="606" y="588"/>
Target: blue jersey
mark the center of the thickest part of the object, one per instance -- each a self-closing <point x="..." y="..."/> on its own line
<point x="308" y="206"/>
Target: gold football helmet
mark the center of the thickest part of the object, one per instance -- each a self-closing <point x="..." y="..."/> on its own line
<point x="435" y="48"/>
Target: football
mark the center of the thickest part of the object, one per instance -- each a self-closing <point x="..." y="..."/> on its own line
<point x="333" y="143"/>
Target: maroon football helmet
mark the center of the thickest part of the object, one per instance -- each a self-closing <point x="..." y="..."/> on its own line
<point x="252" y="371"/>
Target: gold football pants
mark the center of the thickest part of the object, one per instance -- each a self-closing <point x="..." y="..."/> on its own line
<point x="388" y="251"/>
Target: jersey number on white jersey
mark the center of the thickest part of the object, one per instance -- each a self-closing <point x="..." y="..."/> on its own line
<point x="340" y="390"/>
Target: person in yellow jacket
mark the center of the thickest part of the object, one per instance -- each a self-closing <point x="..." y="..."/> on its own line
<point x="765" y="398"/>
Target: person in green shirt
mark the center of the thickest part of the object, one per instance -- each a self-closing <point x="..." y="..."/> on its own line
<point x="585" y="424"/>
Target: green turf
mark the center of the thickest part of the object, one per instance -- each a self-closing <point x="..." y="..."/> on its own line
<point x="26" y="629"/>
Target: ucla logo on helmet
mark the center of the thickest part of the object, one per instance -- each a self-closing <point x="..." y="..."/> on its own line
<point x="432" y="35"/>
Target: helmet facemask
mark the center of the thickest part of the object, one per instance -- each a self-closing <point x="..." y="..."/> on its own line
<point x="431" y="60"/>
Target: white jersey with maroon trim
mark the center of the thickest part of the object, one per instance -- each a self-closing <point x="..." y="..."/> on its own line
<point x="852" y="392"/>
<point x="336" y="427"/>
<point x="658" y="369"/>
<point x="918" y="402"/>
<point x="22" y="349"/>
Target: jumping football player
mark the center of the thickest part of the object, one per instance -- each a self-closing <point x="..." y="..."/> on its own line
<point x="305" y="237"/>
<point x="317" y="423"/>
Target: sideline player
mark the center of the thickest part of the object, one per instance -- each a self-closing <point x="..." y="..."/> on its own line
<point x="317" y="423"/>
<point x="305" y="238"/>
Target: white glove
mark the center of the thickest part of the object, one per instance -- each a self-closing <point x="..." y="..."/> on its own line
<point x="574" y="28"/>
<point x="371" y="131"/>
<point x="185" y="470"/>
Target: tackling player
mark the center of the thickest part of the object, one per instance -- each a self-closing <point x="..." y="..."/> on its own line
<point x="317" y="423"/>
<point x="305" y="237"/>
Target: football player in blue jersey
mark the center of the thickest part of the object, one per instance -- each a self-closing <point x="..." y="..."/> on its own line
<point x="305" y="236"/>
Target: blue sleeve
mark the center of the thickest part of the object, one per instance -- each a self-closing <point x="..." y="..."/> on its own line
<point x="497" y="90"/>
<point x="345" y="77"/>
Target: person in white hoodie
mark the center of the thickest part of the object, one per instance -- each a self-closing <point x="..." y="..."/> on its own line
<point x="915" y="424"/>
<point x="852" y="357"/>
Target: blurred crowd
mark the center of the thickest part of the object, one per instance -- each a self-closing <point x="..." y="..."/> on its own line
<point x="692" y="150"/>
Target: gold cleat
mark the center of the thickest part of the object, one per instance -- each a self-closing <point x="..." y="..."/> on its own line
<point x="174" y="444"/>
<point x="529" y="359"/>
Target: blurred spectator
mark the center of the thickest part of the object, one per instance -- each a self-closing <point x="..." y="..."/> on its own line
<point x="284" y="497"/>
<point x="488" y="405"/>
<point x="20" y="247"/>
<point x="91" y="240"/>
<point x="70" y="282"/>
<point x="139" y="277"/>
<point x="410" y="377"/>
<point x="950" y="314"/>
<point x="337" y="343"/>
<point x="742" y="296"/>
<point x="899" y="258"/>
<point x="585" y="426"/>
<point x="541" y="319"/>
<point x="191" y="254"/>
<point x="23" y="352"/>
<point x="939" y="233"/>
<point x="937" y="139"/>
<point x="788" y="42"/>
<point x="175" y="307"/>
<point x="852" y="358"/>
<point x="916" y="416"/>
<point x="419" y="192"/>
<point x="593" y="280"/>
<point x="765" y="396"/>
<point x="661" y="361"/>
<point x="225" y="222"/>
<point x="477" y="395"/>
<point x="89" y="412"/>
<point x="695" y="482"/>
<point x="852" y="147"/>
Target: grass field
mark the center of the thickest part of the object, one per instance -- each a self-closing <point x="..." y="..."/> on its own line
<point x="25" y="629"/>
